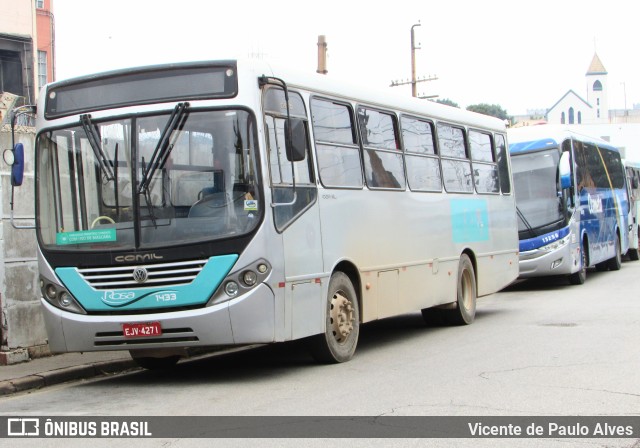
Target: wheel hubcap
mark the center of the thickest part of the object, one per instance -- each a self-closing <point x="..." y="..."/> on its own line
<point x="465" y="289"/>
<point x="342" y="316"/>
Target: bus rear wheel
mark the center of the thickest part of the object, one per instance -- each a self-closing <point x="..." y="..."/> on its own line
<point x="465" y="311"/>
<point x="338" y="342"/>
<point x="615" y="263"/>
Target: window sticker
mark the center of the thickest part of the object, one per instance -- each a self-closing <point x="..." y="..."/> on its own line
<point x="250" y="205"/>
<point x="86" y="236"/>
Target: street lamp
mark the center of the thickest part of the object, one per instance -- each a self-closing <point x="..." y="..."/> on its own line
<point x="414" y="87"/>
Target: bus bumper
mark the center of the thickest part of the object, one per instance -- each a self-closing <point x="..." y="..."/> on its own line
<point x="540" y="263"/>
<point x="245" y="320"/>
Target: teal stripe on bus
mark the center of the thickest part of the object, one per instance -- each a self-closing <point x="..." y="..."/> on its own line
<point x="469" y="220"/>
<point x="198" y="292"/>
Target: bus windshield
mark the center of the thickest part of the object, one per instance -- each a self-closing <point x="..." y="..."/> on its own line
<point x="147" y="182"/>
<point x="538" y="196"/>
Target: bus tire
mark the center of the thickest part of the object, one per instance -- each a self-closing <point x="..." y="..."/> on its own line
<point x="578" y="278"/>
<point x="615" y="263"/>
<point x="465" y="311"/>
<point x="150" y="363"/>
<point x="338" y="342"/>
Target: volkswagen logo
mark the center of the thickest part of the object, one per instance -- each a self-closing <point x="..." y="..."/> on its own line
<point x="140" y="275"/>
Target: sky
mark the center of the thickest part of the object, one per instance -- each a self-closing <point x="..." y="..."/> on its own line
<point x="519" y="55"/>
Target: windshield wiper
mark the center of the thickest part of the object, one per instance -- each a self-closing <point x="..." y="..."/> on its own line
<point x="525" y="222"/>
<point x="93" y="136"/>
<point x="164" y="147"/>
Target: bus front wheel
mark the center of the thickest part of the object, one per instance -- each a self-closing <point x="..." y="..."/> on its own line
<point x="465" y="311"/>
<point x="342" y="327"/>
<point x="578" y="278"/>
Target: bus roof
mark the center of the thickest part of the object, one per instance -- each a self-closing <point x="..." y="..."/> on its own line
<point x="318" y="84"/>
<point x="537" y="138"/>
<point x="380" y="97"/>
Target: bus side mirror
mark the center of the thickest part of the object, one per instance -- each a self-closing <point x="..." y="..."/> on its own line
<point x="15" y="158"/>
<point x="564" y="168"/>
<point x="297" y="147"/>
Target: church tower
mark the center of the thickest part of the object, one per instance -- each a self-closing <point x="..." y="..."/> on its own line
<point x="597" y="93"/>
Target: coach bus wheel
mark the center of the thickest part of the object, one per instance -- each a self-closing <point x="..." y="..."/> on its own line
<point x="616" y="262"/>
<point x="151" y="363"/>
<point x="465" y="311"/>
<point x="338" y="342"/>
<point x="578" y="278"/>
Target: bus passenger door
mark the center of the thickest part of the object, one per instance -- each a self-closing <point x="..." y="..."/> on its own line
<point x="296" y="217"/>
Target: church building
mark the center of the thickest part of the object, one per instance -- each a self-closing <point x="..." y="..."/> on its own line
<point x="573" y="109"/>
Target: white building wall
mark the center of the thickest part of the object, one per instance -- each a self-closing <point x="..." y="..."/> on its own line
<point x="598" y="99"/>
<point x="17" y="17"/>
<point x="554" y="116"/>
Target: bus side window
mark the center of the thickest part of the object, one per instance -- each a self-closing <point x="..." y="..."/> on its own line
<point x="484" y="167"/>
<point x="423" y="166"/>
<point x="336" y="144"/>
<point x="383" y="159"/>
<point x="456" y="167"/>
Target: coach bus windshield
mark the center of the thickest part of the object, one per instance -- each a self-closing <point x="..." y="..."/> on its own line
<point x="149" y="181"/>
<point x="538" y="196"/>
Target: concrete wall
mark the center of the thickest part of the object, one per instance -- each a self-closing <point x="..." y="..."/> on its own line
<point x="17" y="17"/>
<point x="22" y="324"/>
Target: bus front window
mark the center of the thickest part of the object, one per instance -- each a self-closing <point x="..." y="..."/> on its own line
<point x="113" y="193"/>
<point x="538" y="198"/>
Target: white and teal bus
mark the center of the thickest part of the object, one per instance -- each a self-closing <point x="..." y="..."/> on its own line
<point x="571" y="200"/>
<point x="226" y="203"/>
<point x="633" y="185"/>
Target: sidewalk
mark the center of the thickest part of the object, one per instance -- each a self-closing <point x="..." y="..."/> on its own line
<point x="56" y="369"/>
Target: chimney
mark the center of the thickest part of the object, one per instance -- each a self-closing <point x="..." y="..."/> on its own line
<point x="322" y="55"/>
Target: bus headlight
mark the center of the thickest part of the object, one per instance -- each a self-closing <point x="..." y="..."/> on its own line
<point x="50" y="291"/>
<point x="556" y="244"/>
<point x="65" y="299"/>
<point x="231" y="288"/>
<point x="249" y="278"/>
<point x="241" y="281"/>
<point x="59" y="297"/>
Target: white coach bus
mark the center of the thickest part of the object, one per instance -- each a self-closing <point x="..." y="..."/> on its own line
<point x="226" y="203"/>
<point x="572" y="202"/>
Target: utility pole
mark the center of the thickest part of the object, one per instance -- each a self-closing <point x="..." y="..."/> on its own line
<point x="414" y="81"/>
<point x="414" y="88"/>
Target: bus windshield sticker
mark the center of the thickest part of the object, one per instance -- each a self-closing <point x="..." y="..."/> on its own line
<point x="250" y="205"/>
<point x="86" y="236"/>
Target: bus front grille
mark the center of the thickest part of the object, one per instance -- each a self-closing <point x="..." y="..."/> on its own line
<point x="162" y="274"/>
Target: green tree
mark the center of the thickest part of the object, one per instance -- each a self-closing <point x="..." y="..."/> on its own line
<point x="489" y="109"/>
<point x="448" y="102"/>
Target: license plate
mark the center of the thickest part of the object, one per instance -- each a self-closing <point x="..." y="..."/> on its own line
<point x="141" y="329"/>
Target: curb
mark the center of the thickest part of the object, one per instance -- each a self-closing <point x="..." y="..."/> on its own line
<point x="63" y="375"/>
